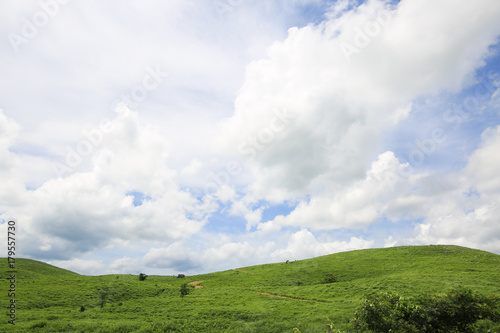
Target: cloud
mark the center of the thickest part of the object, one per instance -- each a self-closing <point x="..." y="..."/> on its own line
<point x="251" y="249"/>
<point x="80" y="266"/>
<point x="459" y="208"/>
<point x="317" y="121"/>
<point x="358" y="205"/>
<point x="484" y="163"/>
<point x="468" y="215"/>
<point x="89" y="210"/>
<point x="12" y="180"/>
<point x="336" y="110"/>
<point x="9" y="129"/>
<point x="303" y="244"/>
<point x="176" y="257"/>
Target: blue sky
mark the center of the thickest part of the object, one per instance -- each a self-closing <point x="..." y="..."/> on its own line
<point x="192" y="136"/>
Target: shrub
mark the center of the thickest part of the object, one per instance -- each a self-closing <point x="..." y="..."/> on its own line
<point x="459" y="309"/>
<point x="386" y="312"/>
<point x="142" y="277"/>
<point x="330" y="278"/>
<point x="181" y="276"/>
<point x="82" y="308"/>
<point x="456" y="311"/>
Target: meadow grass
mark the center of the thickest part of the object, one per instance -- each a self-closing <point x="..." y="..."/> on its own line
<point x="49" y="299"/>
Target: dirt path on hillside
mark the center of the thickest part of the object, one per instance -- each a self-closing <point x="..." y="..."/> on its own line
<point x="268" y="294"/>
<point x="240" y="270"/>
<point x="195" y="284"/>
<point x="286" y="297"/>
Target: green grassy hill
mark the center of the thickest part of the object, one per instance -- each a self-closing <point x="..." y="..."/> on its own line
<point x="32" y="269"/>
<point x="264" y="298"/>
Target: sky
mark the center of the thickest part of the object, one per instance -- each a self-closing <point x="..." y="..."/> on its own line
<point x="193" y="136"/>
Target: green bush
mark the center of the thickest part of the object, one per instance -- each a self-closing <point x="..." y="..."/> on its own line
<point x="459" y="309"/>
<point x="456" y="311"/>
<point x="142" y="277"/>
<point x="330" y="278"/>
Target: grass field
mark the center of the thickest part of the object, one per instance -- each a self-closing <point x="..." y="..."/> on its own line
<point x="265" y="298"/>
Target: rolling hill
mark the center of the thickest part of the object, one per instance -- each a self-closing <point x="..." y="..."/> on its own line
<point x="264" y="298"/>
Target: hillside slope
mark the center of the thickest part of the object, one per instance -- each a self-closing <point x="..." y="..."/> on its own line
<point x="33" y="269"/>
<point x="263" y="298"/>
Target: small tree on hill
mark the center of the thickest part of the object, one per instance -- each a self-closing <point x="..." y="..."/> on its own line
<point x="104" y="294"/>
<point x="184" y="290"/>
<point x="181" y="276"/>
<point x="142" y="277"/>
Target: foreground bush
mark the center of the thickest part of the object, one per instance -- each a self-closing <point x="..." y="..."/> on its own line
<point x="459" y="310"/>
